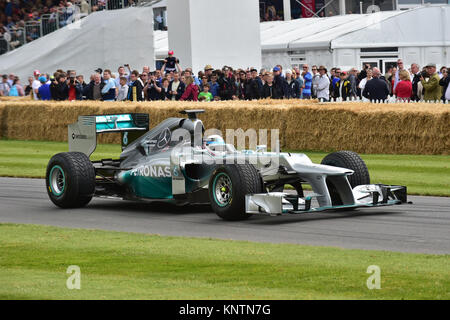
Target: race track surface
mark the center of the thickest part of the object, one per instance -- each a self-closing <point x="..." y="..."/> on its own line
<point x="422" y="227"/>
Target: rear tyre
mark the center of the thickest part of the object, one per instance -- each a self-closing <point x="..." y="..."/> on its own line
<point x="228" y="186"/>
<point x="70" y="180"/>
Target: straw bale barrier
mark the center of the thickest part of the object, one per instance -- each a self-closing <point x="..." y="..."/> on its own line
<point x="303" y="125"/>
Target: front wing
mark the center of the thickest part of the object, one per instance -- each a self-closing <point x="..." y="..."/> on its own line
<point x="279" y="203"/>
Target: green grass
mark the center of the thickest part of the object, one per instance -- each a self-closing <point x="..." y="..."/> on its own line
<point x="117" y="265"/>
<point x="422" y="174"/>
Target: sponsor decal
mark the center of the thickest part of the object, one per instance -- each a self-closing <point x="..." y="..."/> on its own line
<point x="156" y="171"/>
<point x="79" y="136"/>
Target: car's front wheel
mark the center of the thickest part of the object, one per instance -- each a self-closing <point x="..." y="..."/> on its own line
<point x="70" y="180"/>
<point x="349" y="160"/>
<point x="228" y="186"/>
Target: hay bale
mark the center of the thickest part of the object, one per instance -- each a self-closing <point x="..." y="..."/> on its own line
<point x="303" y="124"/>
<point x="2" y="120"/>
<point x="367" y="128"/>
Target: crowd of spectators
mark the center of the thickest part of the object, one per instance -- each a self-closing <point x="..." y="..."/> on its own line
<point x="173" y="83"/>
<point x="40" y="17"/>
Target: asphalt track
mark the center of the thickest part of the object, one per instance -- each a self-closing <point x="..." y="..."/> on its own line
<point x="423" y="227"/>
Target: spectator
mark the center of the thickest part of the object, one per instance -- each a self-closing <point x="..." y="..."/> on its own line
<point x="300" y="84"/>
<point x="307" y="78"/>
<point x="109" y="88"/>
<point x="176" y="87"/>
<point x="243" y="86"/>
<point x="93" y="90"/>
<point x="36" y="84"/>
<point x="444" y="82"/>
<point x="335" y="79"/>
<point x="204" y="80"/>
<point x="151" y="91"/>
<point x="44" y="92"/>
<point x="214" y="85"/>
<point x="144" y="76"/>
<point x="29" y="87"/>
<point x="205" y="95"/>
<point x="442" y="70"/>
<point x="389" y="75"/>
<point x="4" y="86"/>
<point x="122" y="73"/>
<point x="376" y="89"/>
<point x="416" y="84"/>
<point x="171" y="64"/>
<point x="400" y="68"/>
<point x="314" y="81"/>
<point x="16" y="89"/>
<point x="256" y="85"/>
<point x="135" y="90"/>
<point x="85" y="8"/>
<point x="279" y="82"/>
<point x="227" y="86"/>
<point x="75" y="87"/>
<point x="122" y="91"/>
<point x="269" y="88"/>
<point x="353" y="78"/>
<point x="59" y="89"/>
<point x="163" y="91"/>
<point x="403" y="91"/>
<point x="191" y="92"/>
<point x="209" y="71"/>
<point x="323" y="85"/>
<point x="343" y="88"/>
<point x="80" y="79"/>
<point x="11" y="78"/>
<point x="363" y="73"/>
<point x="363" y="82"/>
<point x="431" y="83"/>
<point x="293" y="88"/>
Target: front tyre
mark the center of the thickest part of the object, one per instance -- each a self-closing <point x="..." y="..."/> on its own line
<point x="70" y="180"/>
<point x="228" y="186"/>
<point x="349" y="160"/>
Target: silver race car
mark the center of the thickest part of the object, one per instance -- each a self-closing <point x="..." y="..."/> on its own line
<point x="176" y="162"/>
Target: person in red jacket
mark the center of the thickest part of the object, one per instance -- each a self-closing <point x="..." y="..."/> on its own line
<point x="191" y="91"/>
<point x="403" y="91"/>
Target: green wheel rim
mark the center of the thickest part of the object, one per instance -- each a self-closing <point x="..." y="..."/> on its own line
<point x="57" y="181"/>
<point x="222" y="190"/>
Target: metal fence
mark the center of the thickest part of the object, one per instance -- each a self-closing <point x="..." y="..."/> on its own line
<point x="388" y="100"/>
<point x="50" y="23"/>
<point x="60" y="18"/>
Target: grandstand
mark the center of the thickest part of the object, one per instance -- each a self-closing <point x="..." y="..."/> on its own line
<point x="40" y="24"/>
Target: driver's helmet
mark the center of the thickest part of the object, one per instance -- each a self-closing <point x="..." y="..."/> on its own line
<point x="214" y="140"/>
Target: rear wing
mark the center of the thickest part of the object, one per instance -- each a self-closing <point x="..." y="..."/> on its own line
<point x="83" y="134"/>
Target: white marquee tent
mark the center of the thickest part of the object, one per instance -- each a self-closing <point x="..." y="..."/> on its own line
<point x="103" y="39"/>
<point x="420" y="35"/>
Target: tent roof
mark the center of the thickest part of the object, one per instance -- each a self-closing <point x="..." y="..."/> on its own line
<point x="386" y="28"/>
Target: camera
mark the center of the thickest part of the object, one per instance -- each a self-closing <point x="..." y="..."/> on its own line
<point x="424" y="74"/>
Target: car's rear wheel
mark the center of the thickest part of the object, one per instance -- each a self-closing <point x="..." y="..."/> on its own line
<point x="228" y="186"/>
<point x="70" y="180"/>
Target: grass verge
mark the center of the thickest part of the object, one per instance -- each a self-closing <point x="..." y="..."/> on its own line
<point x="117" y="265"/>
<point x="422" y="174"/>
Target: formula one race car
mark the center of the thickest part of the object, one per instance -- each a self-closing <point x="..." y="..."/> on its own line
<point x="177" y="162"/>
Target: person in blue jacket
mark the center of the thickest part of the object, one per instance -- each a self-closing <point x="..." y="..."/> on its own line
<point x="307" y="78"/>
<point x="44" y="92"/>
